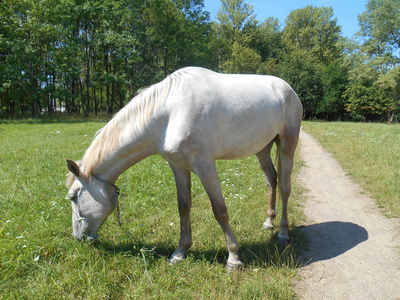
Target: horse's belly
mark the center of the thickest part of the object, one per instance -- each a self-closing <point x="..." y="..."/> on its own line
<point x="235" y="148"/>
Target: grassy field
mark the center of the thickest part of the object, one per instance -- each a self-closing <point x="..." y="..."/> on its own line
<point x="370" y="154"/>
<point x="39" y="258"/>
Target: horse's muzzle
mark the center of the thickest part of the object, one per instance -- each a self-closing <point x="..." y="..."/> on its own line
<point x="89" y="238"/>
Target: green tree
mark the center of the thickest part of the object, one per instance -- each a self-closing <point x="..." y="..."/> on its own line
<point x="180" y="32"/>
<point x="234" y="30"/>
<point x="374" y="88"/>
<point x="266" y="38"/>
<point x="301" y="72"/>
<point x="381" y="22"/>
<point x="30" y="40"/>
<point x="334" y="83"/>
<point x="313" y="30"/>
<point x="242" y="60"/>
<point x="89" y="55"/>
<point x="311" y="53"/>
<point x="233" y="17"/>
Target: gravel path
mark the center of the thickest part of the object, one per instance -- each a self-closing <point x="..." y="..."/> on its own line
<point x="354" y="250"/>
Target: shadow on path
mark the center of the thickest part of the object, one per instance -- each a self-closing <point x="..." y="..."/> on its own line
<point x="330" y="239"/>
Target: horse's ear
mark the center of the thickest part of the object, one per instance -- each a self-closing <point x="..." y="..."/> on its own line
<point x="73" y="167"/>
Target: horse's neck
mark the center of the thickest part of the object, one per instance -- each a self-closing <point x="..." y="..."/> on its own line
<point x="132" y="135"/>
<point x="132" y="150"/>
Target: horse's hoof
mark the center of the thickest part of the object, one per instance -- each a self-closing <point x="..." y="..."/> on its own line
<point x="230" y="267"/>
<point x="268" y="226"/>
<point x="175" y="260"/>
<point x="282" y="239"/>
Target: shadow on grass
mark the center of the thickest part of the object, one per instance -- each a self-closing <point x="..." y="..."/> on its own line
<point x="257" y="254"/>
<point x="309" y="244"/>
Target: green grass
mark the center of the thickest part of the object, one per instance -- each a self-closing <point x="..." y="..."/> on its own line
<point x="370" y="154"/>
<point x="39" y="258"/>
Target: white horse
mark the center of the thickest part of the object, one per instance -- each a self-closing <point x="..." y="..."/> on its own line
<point x="192" y="118"/>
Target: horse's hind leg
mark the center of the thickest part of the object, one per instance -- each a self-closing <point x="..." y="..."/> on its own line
<point x="286" y="150"/>
<point x="207" y="173"/>
<point x="265" y="162"/>
<point x="183" y="186"/>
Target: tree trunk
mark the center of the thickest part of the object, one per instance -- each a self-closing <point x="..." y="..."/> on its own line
<point x="82" y="98"/>
<point x="87" y="83"/>
<point x="95" y="101"/>
<point x="391" y="115"/>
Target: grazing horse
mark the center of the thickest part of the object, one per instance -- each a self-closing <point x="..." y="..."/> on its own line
<point x="192" y="118"/>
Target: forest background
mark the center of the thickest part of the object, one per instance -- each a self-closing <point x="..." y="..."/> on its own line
<point x="90" y="57"/>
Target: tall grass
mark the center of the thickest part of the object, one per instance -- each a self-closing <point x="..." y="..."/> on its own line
<point x="39" y="258"/>
<point x="370" y="154"/>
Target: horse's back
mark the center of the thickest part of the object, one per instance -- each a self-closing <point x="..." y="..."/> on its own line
<point x="236" y="93"/>
<point x="228" y="116"/>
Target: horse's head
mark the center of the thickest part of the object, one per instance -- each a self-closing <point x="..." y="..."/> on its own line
<point x="93" y="200"/>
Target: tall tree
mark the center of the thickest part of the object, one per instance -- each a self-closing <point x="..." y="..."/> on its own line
<point x="310" y="37"/>
<point x="374" y="88"/>
<point x="301" y="72"/>
<point x="381" y="22"/>
<point x="265" y="38"/>
<point x="233" y="17"/>
<point x="90" y="55"/>
<point x="313" y="30"/>
<point x="180" y="29"/>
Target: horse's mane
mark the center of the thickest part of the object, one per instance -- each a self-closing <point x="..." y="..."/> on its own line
<point x="136" y="114"/>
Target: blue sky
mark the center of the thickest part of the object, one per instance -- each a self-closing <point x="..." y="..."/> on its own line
<point x="346" y="11"/>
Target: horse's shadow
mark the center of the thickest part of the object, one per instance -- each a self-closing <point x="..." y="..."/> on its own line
<point x="310" y="243"/>
<point x="331" y="239"/>
<point x="259" y="254"/>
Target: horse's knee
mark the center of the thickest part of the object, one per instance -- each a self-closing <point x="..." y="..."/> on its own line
<point x="285" y="190"/>
<point x="271" y="213"/>
<point x="221" y="214"/>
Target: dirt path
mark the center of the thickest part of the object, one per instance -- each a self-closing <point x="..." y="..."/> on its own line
<point x="354" y="249"/>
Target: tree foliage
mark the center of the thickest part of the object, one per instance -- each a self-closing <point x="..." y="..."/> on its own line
<point x="313" y="30"/>
<point x="90" y="56"/>
<point x="310" y="38"/>
<point x="374" y="78"/>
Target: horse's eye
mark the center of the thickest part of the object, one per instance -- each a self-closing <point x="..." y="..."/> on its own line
<point x="74" y="199"/>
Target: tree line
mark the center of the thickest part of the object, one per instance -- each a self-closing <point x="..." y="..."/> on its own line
<point x="90" y="56"/>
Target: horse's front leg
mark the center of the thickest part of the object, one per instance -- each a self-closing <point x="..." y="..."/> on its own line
<point x="207" y="173"/>
<point x="183" y="186"/>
